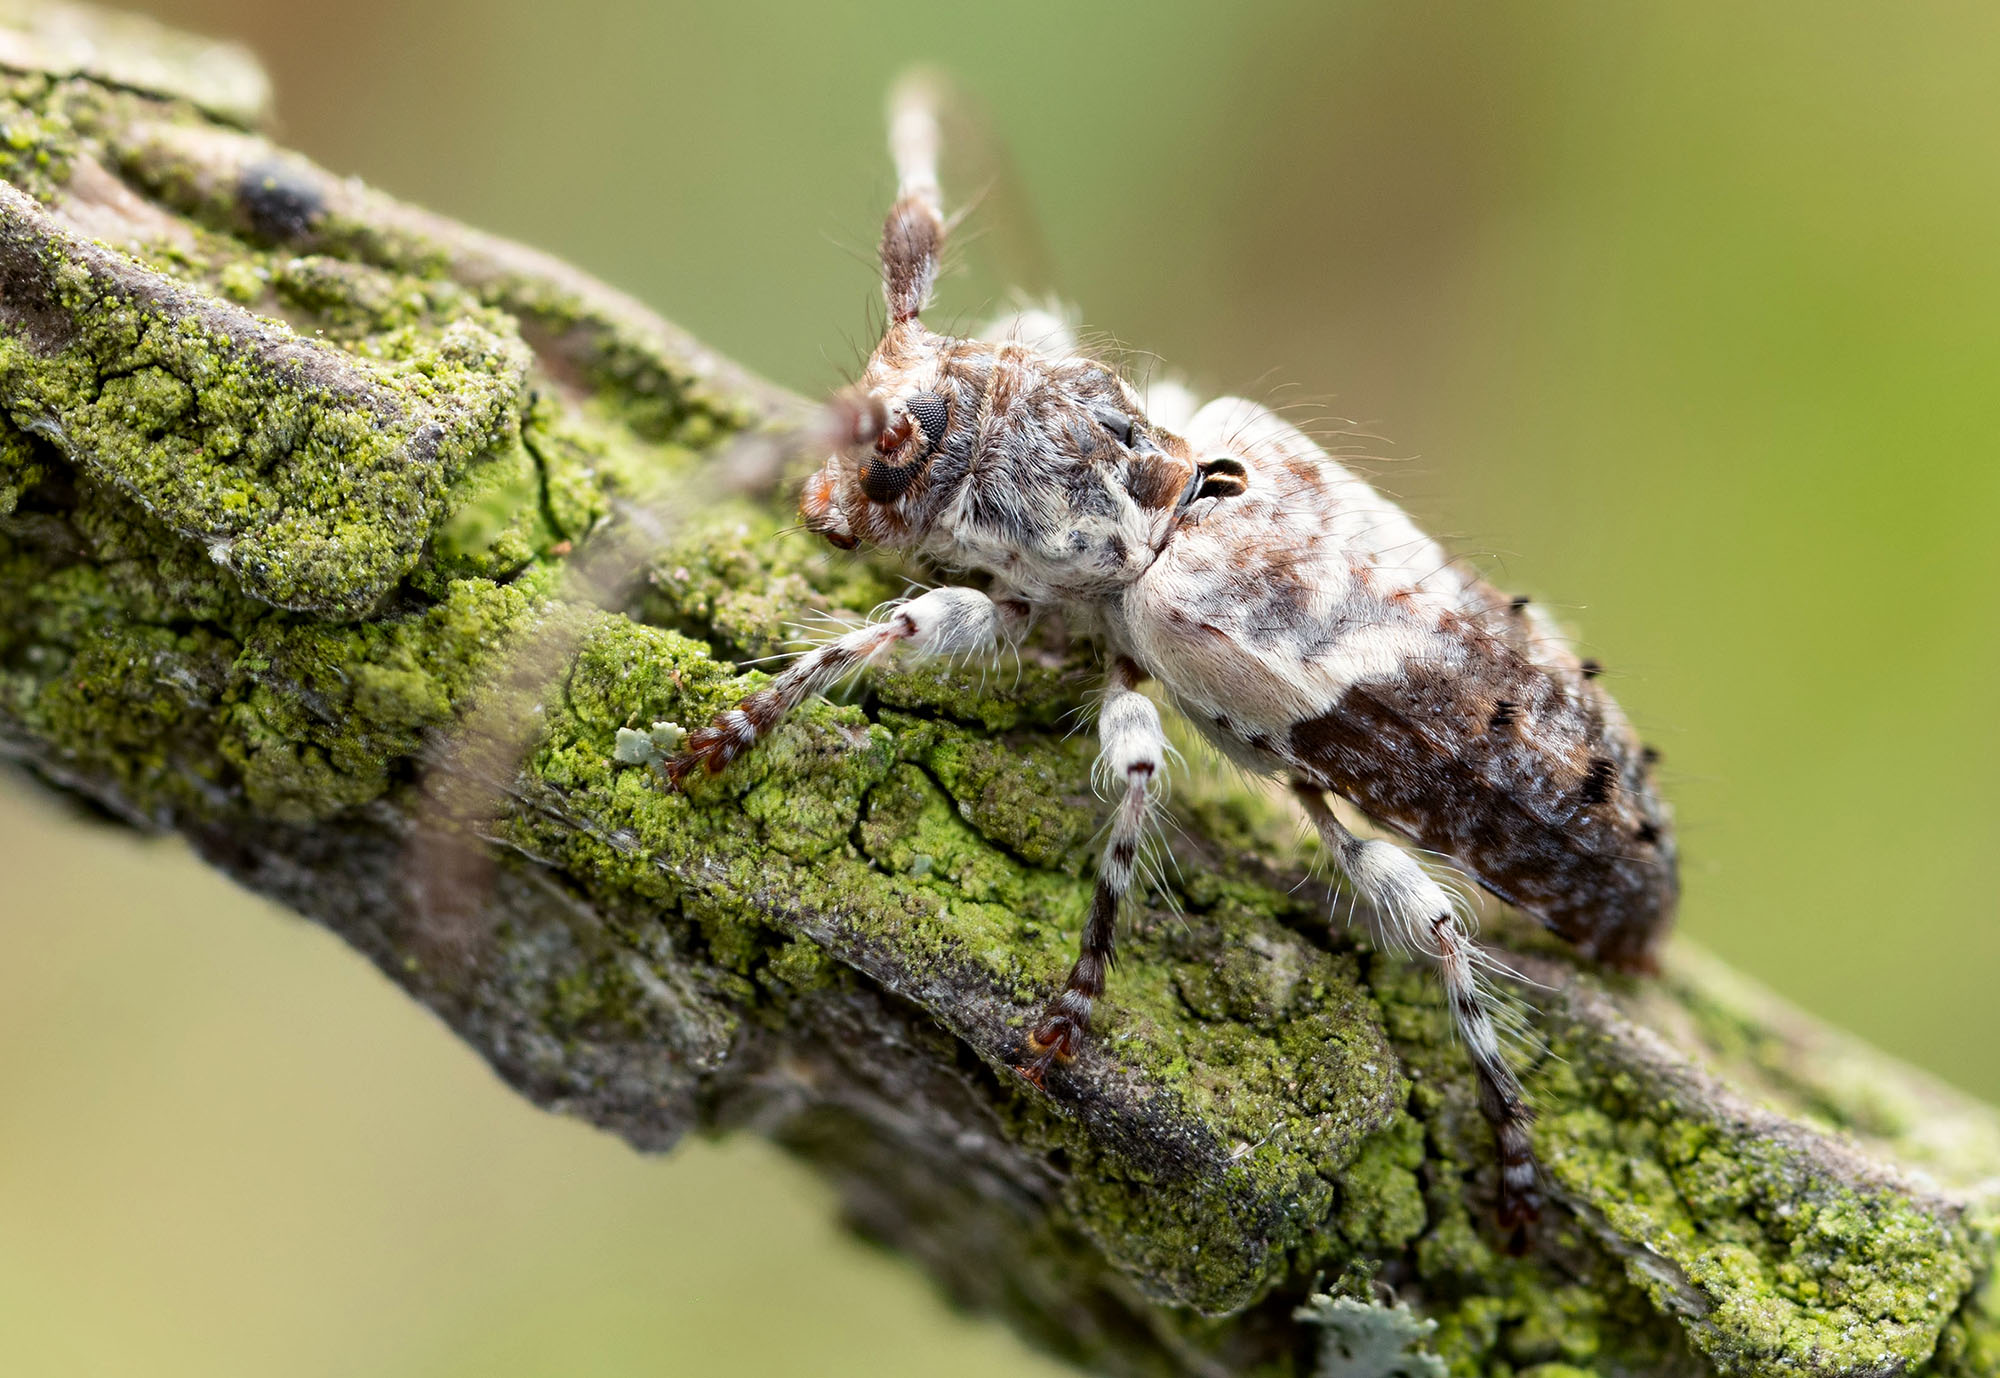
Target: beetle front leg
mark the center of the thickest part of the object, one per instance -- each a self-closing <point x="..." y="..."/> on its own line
<point x="946" y="621"/>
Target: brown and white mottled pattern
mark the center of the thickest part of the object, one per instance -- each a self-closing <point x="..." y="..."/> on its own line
<point x="1351" y="653"/>
<point x="1297" y="617"/>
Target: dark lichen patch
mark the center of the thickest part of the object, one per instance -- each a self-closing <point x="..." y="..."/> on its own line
<point x="136" y="704"/>
<point x="323" y="717"/>
<point x="280" y="202"/>
<point x="145" y="574"/>
<point x="1516" y="1315"/>
<point x="152" y="674"/>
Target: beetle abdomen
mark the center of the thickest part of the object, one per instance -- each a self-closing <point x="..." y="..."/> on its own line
<point x="1534" y="785"/>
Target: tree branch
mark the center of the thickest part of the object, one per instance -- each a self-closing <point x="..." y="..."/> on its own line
<point x="290" y="469"/>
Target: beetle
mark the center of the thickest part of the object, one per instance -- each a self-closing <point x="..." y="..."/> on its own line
<point x="1296" y="617"/>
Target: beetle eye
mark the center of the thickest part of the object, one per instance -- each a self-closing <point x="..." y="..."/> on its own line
<point x="1116" y="424"/>
<point x="1222" y="478"/>
<point x="929" y="410"/>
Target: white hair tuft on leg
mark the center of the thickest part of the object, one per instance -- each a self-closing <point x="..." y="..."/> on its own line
<point x="1414" y="913"/>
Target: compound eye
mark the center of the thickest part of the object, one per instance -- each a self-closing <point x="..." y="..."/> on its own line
<point x="929" y="410"/>
<point x="885" y="482"/>
<point x="1222" y="478"/>
<point x="1116" y="424"/>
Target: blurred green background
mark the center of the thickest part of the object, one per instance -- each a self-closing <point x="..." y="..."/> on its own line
<point x="1687" y="317"/>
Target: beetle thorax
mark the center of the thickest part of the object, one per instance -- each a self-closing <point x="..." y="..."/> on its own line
<point x="1040" y="470"/>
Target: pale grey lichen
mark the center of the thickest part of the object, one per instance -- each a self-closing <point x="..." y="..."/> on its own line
<point x="1358" y="1340"/>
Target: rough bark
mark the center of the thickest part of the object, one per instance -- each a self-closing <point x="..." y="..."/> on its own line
<point x="289" y="475"/>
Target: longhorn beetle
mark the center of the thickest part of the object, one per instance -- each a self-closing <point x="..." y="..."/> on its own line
<point x="1296" y="617"/>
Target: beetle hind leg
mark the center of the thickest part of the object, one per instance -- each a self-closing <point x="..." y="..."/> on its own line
<point x="1414" y="913"/>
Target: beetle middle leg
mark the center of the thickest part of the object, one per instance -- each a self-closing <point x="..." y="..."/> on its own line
<point x="1133" y="753"/>
<point x="1414" y="913"/>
